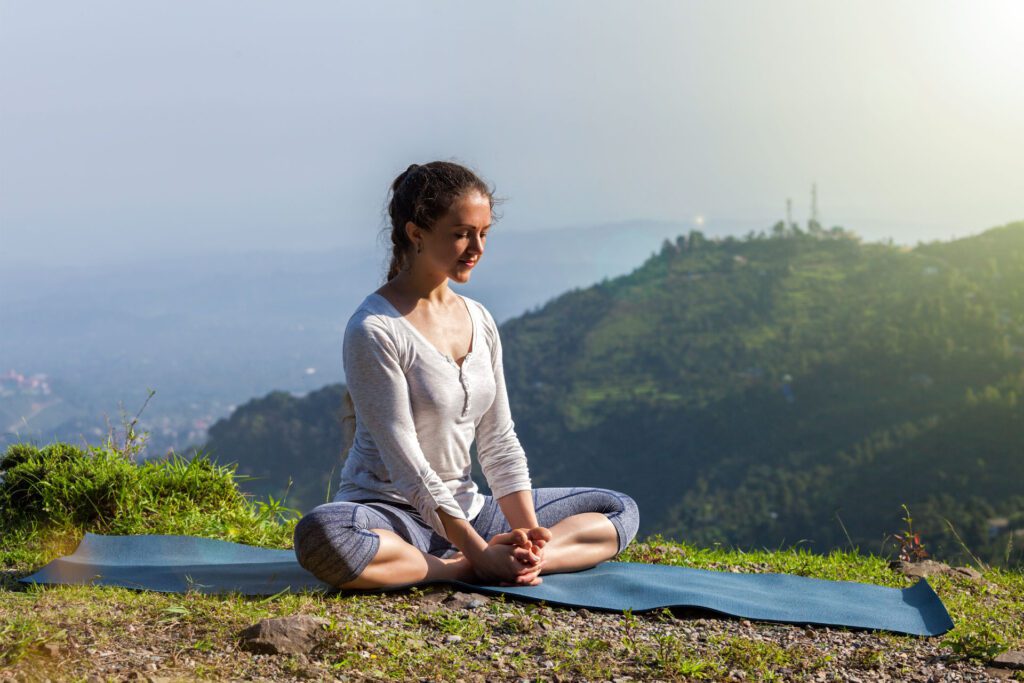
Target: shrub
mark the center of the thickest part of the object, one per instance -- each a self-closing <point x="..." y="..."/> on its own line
<point x="61" y="489"/>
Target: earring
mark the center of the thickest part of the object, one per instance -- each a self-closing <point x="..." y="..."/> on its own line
<point x="419" y="247"/>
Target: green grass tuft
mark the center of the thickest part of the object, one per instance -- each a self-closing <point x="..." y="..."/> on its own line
<point x="51" y="496"/>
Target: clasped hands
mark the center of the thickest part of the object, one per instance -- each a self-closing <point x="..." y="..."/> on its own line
<point x="514" y="558"/>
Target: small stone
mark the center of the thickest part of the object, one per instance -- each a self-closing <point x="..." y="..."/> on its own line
<point x="453" y="639"/>
<point x="295" y="634"/>
<point x="435" y="597"/>
<point x="1011" y="659"/>
<point x="51" y="649"/>
<point x="459" y="600"/>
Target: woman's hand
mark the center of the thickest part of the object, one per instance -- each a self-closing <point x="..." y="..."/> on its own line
<point x="507" y="565"/>
<point x="529" y="542"/>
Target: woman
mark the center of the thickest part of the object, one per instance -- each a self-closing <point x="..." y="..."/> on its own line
<point x="424" y="370"/>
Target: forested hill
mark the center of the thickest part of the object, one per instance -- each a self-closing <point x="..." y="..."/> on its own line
<point x="747" y="391"/>
<point x="772" y="389"/>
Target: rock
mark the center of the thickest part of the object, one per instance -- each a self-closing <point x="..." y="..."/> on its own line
<point x="453" y="639"/>
<point x="295" y="634"/>
<point x="50" y="649"/>
<point x="466" y="600"/>
<point x="920" y="570"/>
<point x="966" y="572"/>
<point x="1011" y="659"/>
<point x="926" y="568"/>
<point x="434" y="597"/>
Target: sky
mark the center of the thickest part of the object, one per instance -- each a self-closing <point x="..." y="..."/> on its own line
<point x="132" y="130"/>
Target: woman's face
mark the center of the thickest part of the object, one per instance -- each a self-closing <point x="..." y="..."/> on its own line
<point x="456" y="243"/>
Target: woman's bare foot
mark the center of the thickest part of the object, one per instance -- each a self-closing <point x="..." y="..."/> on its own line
<point x="533" y="540"/>
<point x="519" y="538"/>
<point x="529" y="544"/>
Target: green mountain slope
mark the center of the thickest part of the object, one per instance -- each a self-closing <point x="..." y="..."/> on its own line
<point x="725" y="384"/>
<point x="289" y="446"/>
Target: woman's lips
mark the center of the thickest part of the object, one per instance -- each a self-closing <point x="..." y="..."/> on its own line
<point x="470" y="263"/>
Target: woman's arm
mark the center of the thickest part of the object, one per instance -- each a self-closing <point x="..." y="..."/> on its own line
<point x="518" y="509"/>
<point x="501" y="456"/>
<point x="503" y="459"/>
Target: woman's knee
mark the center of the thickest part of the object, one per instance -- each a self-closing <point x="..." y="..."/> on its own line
<point x="624" y="514"/>
<point x="620" y="509"/>
<point x="333" y="541"/>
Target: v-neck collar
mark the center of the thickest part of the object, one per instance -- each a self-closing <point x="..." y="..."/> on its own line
<point x="472" y="320"/>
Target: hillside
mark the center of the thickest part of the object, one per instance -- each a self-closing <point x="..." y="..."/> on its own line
<point x="279" y="439"/>
<point x="793" y="388"/>
<point x="756" y="392"/>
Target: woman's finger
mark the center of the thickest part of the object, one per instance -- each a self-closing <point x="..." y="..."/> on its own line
<point x="525" y="570"/>
<point x="516" y="537"/>
<point x="525" y="556"/>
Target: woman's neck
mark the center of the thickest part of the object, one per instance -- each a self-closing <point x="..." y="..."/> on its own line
<point x="419" y="288"/>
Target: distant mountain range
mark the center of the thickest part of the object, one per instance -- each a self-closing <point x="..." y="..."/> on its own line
<point x="210" y="332"/>
<point x="790" y="387"/>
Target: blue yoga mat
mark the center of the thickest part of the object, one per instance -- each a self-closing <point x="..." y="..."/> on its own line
<point x="175" y="564"/>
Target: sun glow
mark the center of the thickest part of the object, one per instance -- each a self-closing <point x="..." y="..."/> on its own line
<point x="987" y="45"/>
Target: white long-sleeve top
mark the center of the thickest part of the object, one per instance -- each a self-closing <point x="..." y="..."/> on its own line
<point x="418" y="411"/>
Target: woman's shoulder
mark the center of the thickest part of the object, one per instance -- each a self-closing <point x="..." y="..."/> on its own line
<point x="370" y="317"/>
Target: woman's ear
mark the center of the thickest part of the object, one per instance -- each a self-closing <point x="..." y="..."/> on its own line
<point x="413" y="232"/>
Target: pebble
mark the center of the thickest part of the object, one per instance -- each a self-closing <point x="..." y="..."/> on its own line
<point x="1011" y="659"/>
<point x="459" y="600"/>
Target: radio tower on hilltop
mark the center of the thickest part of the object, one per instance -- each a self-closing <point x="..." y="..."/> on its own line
<point x="789" y="214"/>
<point x="813" y="225"/>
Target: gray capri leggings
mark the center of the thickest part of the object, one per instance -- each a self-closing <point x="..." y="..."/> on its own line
<point x="334" y="542"/>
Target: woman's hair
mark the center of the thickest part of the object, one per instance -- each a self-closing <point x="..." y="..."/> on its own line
<point x="423" y="194"/>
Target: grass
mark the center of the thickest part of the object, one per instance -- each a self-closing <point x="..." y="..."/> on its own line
<point x="50" y="496"/>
